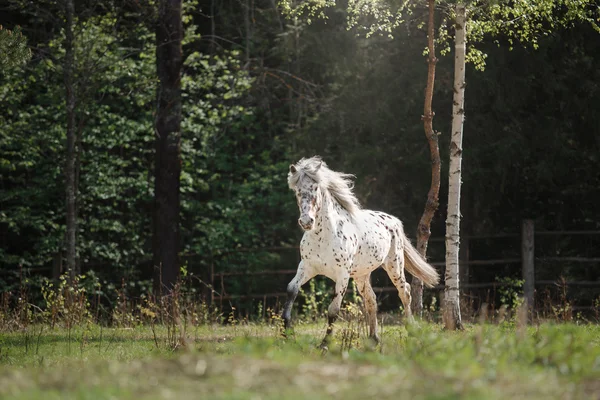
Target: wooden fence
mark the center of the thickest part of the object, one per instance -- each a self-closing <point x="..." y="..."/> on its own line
<point x="526" y="259"/>
<point x="218" y="274"/>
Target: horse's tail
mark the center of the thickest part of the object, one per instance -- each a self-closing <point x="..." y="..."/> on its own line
<point x="418" y="267"/>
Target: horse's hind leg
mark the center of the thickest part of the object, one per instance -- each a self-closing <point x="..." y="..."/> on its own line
<point x="334" y="308"/>
<point x="394" y="266"/>
<point x="366" y="291"/>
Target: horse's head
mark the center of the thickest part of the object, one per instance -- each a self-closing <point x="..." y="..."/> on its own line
<point x="309" y="198"/>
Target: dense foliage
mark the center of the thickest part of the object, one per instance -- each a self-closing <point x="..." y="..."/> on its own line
<point x="13" y="48"/>
<point x="260" y="91"/>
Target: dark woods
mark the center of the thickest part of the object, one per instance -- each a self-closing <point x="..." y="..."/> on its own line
<point x="172" y="131"/>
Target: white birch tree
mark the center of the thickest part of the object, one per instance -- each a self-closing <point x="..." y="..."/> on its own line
<point x="451" y="314"/>
<point x="519" y="20"/>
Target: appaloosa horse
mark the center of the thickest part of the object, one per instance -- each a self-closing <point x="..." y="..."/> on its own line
<point x="343" y="241"/>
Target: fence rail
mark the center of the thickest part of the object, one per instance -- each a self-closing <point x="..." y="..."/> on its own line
<point x="527" y="260"/>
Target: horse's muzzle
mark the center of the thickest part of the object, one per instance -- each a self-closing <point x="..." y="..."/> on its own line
<point x="306" y="222"/>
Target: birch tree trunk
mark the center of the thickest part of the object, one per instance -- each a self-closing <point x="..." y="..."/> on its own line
<point x="424" y="228"/>
<point x="169" y="59"/>
<point x="71" y="156"/>
<point x="451" y="313"/>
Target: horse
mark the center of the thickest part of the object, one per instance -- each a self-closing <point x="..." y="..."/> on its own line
<point x="342" y="241"/>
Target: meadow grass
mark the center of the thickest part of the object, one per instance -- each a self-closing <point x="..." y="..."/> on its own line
<point x="252" y="361"/>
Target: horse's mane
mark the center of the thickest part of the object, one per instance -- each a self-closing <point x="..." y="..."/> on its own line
<point x="338" y="184"/>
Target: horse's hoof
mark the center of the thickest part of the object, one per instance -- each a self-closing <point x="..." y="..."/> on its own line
<point x="324" y="349"/>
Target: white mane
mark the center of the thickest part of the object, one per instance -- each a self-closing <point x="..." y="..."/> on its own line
<point x="338" y="184"/>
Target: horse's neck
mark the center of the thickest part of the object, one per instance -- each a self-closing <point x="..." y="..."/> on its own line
<point x="330" y="213"/>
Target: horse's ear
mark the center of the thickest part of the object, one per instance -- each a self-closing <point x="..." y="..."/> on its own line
<point x="292" y="168"/>
<point x="319" y="166"/>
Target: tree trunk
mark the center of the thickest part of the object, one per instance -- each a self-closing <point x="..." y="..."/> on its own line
<point x="71" y="157"/>
<point x="451" y="313"/>
<point x="169" y="35"/>
<point x="424" y="228"/>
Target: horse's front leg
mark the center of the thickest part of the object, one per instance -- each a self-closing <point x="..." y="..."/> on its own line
<point x="365" y="289"/>
<point x="334" y="308"/>
<point x="302" y="276"/>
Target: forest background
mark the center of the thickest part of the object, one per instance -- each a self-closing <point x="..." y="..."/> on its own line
<point x="260" y="91"/>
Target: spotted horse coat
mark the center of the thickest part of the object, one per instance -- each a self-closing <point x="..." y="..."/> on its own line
<point x="343" y="241"/>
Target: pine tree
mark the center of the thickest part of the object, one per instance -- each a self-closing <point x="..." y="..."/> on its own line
<point x="13" y="48"/>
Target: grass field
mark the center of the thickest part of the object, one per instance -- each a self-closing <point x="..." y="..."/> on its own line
<point x="420" y="361"/>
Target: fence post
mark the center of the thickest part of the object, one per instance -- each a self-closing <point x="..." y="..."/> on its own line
<point x="527" y="261"/>
<point x="212" y="278"/>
